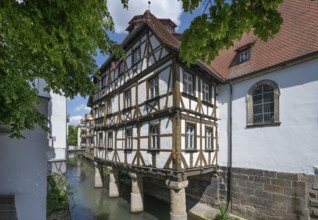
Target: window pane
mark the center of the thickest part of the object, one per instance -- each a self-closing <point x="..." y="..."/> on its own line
<point x="257" y="99"/>
<point x="268" y="97"/>
<point x="268" y="117"/>
<point x="258" y="119"/>
<point x="269" y="108"/>
<point x="258" y="109"/>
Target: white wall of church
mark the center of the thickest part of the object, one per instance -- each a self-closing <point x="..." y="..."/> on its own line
<point x="289" y="147"/>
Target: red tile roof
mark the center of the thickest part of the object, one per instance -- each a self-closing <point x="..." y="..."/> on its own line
<point x="297" y="37"/>
<point x="156" y="25"/>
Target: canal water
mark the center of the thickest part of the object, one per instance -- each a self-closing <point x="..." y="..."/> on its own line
<point x="91" y="203"/>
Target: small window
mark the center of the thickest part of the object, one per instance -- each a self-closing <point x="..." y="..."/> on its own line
<point x="244" y="55"/>
<point x="127" y="99"/>
<point x="153" y="88"/>
<point x="190" y="137"/>
<point x="208" y="139"/>
<point x="129" y="139"/>
<point x="110" y="139"/>
<point x="136" y="56"/>
<point x="121" y="67"/>
<point x="101" y="111"/>
<point x="109" y="106"/>
<point x="154" y="137"/>
<point x="188" y="83"/>
<point x="263" y="103"/>
<point x="100" y="139"/>
<point x="206" y="92"/>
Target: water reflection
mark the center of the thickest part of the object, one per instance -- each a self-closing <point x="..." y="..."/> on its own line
<point x="93" y="203"/>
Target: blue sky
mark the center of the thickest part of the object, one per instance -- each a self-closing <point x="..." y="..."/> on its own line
<point x="162" y="9"/>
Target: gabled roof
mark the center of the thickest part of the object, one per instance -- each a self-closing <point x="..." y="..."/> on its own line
<point x="157" y="26"/>
<point x="297" y="37"/>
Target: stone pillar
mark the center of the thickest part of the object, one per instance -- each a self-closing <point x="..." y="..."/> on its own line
<point x="98" y="175"/>
<point x="136" y="195"/>
<point x="177" y="199"/>
<point x="113" y="183"/>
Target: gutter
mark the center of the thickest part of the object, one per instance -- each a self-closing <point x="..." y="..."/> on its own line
<point x="229" y="170"/>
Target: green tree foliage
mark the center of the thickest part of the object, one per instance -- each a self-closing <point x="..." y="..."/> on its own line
<point x="225" y="21"/>
<point x="72" y="135"/>
<point x="53" y="40"/>
<point x="56" y="40"/>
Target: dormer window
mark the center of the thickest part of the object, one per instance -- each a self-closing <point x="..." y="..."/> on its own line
<point x="244" y="55"/>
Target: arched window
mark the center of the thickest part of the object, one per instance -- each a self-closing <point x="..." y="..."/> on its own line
<point x="263" y="104"/>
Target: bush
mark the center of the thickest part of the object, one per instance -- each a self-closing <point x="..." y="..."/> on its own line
<point x="224" y="215"/>
<point x="58" y="193"/>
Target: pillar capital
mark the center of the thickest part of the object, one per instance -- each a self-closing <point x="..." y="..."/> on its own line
<point x="177" y="185"/>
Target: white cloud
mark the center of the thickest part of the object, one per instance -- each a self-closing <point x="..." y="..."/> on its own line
<point x="82" y="107"/>
<point x="159" y="8"/>
<point x="75" y="120"/>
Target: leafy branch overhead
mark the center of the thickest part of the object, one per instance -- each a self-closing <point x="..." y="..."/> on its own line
<point x="53" y="40"/>
<point x="223" y="22"/>
<point x="56" y="41"/>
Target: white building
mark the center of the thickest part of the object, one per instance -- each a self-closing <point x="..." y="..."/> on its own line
<point x="24" y="162"/>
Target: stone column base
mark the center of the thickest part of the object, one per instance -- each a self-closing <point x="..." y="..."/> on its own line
<point x="113" y="190"/>
<point x="98" y="177"/>
<point x="136" y="203"/>
<point x="178" y="217"/>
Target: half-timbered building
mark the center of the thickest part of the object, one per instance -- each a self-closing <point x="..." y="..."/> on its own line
<point x="153" y="114"/>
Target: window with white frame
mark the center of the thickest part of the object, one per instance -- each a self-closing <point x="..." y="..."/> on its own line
<point x="190" y="137"/>
<point x="129" y="140"/>
<point x="263" y="104"/>
<point x="209" y="139"/>
<point x="153" y="88"/>
<point x="136" y="56"/>
<point x="127" y="99"/>
<point x="244" y="55"/>
<point x="154" y="137"/>
<point x="187" y="83"/>
<point x="110" y="139"/>
<point x="109" y="106"/>
<point x="206" y="92"/>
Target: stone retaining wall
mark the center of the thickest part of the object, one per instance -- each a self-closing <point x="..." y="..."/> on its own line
<point x="256" y="194"/>
<point x="260" y="194"/>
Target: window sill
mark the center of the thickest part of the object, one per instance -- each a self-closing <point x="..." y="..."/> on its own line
<point x="209" y="150"/>
<point x="153" y="150"/>
<point x="109" y="148"/>
<point x="153" y="99"/>
<point x="190" y="96"/>
<point x="128" y="109"/>
<point x="128" y="149"/>
<point x="274" y="124"/>
<point x="207" y="103"/>
<point x="191" y="150"/>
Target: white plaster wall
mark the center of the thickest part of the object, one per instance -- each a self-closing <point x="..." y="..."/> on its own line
<point x="290" y="147"/>
<point x="23" y="169"/>
<point x="57" y="116"/>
